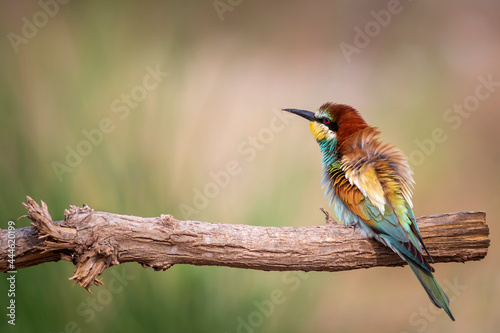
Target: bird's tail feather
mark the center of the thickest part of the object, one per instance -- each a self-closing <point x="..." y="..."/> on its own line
<point x="436" y="294"/>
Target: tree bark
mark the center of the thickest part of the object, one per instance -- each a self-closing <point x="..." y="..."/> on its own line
<point x="94" y="241"/>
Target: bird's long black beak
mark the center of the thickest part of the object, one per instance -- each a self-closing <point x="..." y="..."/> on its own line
<point x="303" y="113"/>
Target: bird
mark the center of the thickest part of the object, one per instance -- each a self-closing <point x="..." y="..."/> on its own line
<point x="369" y="184"/>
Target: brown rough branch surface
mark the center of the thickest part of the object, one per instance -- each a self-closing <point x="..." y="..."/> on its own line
<point x="94" y="241"/>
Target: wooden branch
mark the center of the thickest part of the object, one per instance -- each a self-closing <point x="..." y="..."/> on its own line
<point x="94" y="241"/>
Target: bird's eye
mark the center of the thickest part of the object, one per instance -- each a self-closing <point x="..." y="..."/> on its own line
<point x="326" y="121"/>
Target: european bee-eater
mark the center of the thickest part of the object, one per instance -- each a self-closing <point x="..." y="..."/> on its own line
<point x="370" y="186"/>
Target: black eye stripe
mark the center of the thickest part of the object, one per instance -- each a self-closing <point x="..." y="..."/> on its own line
<point x="332" y="125"/>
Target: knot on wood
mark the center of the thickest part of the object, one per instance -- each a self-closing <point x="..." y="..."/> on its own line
<point x="73" y="210"/>
<point x="157" y="267"/>
<point x="167" y="219"/>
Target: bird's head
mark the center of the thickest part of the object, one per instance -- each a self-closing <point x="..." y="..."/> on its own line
<point x="332" y="121"/>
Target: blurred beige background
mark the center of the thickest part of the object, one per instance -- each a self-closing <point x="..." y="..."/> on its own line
<point x="136" y="107"/>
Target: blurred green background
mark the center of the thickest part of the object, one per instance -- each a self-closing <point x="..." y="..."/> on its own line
<point x="232" y="65"/>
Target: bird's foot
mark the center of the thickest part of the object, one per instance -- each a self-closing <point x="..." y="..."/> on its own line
<point x="328" y="217"/>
